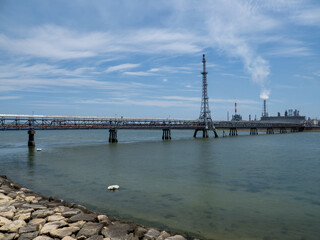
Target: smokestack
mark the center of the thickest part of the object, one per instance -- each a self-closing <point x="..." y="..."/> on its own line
<point x="235" y="108"/>
<point x="264" y="108"/>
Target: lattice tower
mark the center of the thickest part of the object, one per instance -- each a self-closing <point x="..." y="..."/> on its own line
<point x="205" y="113"/>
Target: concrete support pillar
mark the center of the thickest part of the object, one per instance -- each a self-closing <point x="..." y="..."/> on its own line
<point x="205" y="133"/>
<point x="270" y="131"/>
<point x="253" y="131"/>
<point x="224" y="134"/>
<point x="215" y="133"/>
<point x="233" y="132"/>
<point x="166" y="134"/>
<point x="283" y="130"/>
<point x="113" y="136"/>
<point x="195" y="133"/>
<point x="31" y="142"/>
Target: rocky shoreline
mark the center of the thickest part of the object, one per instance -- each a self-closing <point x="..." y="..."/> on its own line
<point x="26" y="215"/>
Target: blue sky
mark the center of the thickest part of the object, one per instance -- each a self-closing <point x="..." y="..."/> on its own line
<point x="143" y="58"/>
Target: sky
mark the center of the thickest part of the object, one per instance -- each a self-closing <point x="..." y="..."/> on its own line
<point x="143" y="58"/>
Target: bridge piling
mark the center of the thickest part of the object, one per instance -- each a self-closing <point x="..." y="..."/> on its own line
<point x="283" y="130"/>
<point x="166" y="134"/>
<point x="233" y="132"/>
<point x="253" y="131"/>
<point x="270" y="131"/>
<point x="113" y="136"/>
<point x="31" y="142"/>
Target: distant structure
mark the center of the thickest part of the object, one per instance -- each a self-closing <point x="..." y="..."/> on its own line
<point x="290" y="116"/>
<point x="264" y="111"/>
<point x="205" y="113"/>
<point x="236" y="116"/>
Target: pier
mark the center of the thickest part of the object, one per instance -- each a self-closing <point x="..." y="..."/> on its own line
<point x="204" y="123"/>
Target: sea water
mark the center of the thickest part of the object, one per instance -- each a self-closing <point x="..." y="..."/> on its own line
<point x="245" y="187"/>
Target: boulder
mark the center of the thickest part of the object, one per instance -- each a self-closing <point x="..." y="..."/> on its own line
<point x="95" y="237"/>
<point x="55" y="218"/>
<point x="48" y="227"/>
<point x="83" y="217"/>
<point x="71" y="213"/>
<point x="22" y="216"/>
<point x="61" y="209"/>
<point x="118" y="231"/>
<point x="152" y="234"/>
<point x="140" y="232"/>
<point x="28" y="236"/>
<point x="7" y="211"/>
<point x="68" y="238"/>
<point x="163" y="235"/>
<point x="4" y="221"/>
<point x="43" y="238"/>
<point x="37" y="221"/>
<point x="89" y="229"/>
<point x="104" y="219"/>
<point x="42" y="213"/>
<point x="29" y="228"/>
<point x="77" y="224"/>
<point x="34" y="206"/>
<point x="8" y="236"/>
<point x="62" y="232"/>
<point x="13" y="226"/>
<point x="176" y="237"/>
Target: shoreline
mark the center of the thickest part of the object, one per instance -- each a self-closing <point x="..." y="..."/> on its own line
<point x="25" y="214"/>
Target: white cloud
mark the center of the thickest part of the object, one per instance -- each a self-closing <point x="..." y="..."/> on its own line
<point x="139" y="73"/>
<point x="56" y="42"/>
<point x="122" y="67"/>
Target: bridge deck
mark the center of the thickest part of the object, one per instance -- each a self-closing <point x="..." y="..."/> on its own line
<point x="43" y="122"/>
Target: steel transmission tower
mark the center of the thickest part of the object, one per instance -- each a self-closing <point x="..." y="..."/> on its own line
<point x="205" y="113"/>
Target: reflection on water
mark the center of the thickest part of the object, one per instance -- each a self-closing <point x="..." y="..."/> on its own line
<point x="246" y="187"/>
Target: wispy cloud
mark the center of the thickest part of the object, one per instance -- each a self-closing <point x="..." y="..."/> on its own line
<point x="56" y="42"/>
<point x="122" y="67"/>
<point x="9" y="97"/>
<point x="139" y="73"/>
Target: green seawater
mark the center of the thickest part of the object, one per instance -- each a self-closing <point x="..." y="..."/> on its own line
<point x="246" y="187"/>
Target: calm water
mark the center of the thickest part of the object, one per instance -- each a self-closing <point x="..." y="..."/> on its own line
<point x="246" y="187"/>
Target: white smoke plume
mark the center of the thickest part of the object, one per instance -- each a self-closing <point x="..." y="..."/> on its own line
<point x="231" y="25"/>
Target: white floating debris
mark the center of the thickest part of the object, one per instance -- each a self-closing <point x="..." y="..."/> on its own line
<point x="39" y="149"/>
<point x="113" y="187"/>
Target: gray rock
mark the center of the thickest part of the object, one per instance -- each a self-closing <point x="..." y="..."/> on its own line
<point x="176" y="237"/>
<point x="13" y="226"/>
<point x="104" y="219"/>
<point x="77" y="224"/>
<point x="55" y="218"/>
<point x="34" y="206"/>
<point x="7" y="211"/>
<point x="4" y="221"/>
<point x="42" y="213"/>
<point x="22" y="216"/>
<point x="68" y="238"/>
<point x="37" y="221"/>
<point x="62" y="232"/>
<point x="152" y="234"/>
<point x="61" y="209"/>
<point x="8" y="236"/>
<point x="28" y="236"/>
<point x="48" y="227"/>
<point x="89" y="229"/>
<point x="29" y="228"/>
<point x="163" y="235"/>
<point x="140" y="232"/>
<point x="83" y="217"/>
<point x="95" y="237"/>
<point x="71" y="213"/>
<point x="43" y="238"/>
<point x="117" y="231"/>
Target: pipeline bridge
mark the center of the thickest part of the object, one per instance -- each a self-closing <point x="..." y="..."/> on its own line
<point x="31" y="123"/>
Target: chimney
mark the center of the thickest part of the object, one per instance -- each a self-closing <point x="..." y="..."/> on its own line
<point x="264" y="108"/>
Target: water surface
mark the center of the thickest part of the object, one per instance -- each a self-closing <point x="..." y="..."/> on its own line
<point x="246" y="187"/>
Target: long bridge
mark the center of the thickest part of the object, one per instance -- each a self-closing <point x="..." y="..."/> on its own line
<point x="204" y="123"/>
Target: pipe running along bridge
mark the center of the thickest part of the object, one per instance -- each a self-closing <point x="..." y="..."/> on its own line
<point x="204" y="123"/>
